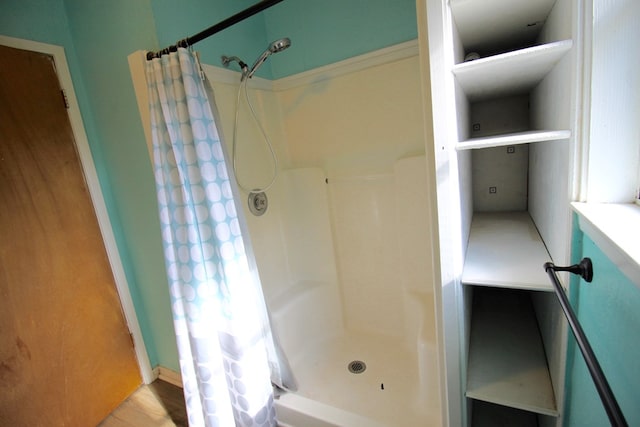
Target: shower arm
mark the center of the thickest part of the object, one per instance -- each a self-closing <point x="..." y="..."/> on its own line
<point x="227" y="60"/>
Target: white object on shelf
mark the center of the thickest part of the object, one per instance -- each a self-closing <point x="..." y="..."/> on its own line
<point x="505" y="250"/>
<point x="509" y="73"/>
<point x="513" y="139"/>
<point x="507" y="363"/>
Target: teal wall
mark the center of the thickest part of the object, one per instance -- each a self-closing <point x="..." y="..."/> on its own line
<point x="609" y="310"/>
<point x="98" y="36"/>
<point x="104" y="34"/>
<point x="41" y="20"/>
<point x="323" y="32"/>
<point x="177" y="20"/>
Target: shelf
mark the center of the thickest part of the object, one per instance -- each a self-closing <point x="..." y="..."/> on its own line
<point x="514" y="72"/>
<point x="507" y="363"/>
<point x="513" y="139"/>
<point x="505" y="250"/>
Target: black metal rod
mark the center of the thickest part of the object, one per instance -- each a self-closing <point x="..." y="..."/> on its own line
<point x="602" y="385"/>
<point x="232" y="20"/>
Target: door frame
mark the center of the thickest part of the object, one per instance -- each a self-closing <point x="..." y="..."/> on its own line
<point x="95" y="192"/>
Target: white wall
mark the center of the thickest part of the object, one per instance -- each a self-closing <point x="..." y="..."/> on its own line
<point x="614" y="149"/>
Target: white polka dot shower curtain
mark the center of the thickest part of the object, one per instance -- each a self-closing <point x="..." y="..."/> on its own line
<point x="222" y="329"/>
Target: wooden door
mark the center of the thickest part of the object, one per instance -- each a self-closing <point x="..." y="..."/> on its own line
<point x="66" y="356"/>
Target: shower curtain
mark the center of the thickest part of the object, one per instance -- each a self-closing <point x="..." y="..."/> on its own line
<point x="225" y="345"/>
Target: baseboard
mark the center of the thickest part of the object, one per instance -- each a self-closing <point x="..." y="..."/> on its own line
<point x="168" y="375"/>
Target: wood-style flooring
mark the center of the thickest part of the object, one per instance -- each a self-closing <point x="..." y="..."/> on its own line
<point x="158" y="404"/>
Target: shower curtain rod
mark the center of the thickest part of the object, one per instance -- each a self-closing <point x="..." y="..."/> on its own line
<point x="232" y="20"/>
<point x="585" y="270"/>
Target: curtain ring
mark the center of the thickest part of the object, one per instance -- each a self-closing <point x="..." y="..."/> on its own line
<point x="183" y="43"/>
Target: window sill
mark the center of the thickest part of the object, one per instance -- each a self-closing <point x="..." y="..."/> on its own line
<point x="615" y="228"/>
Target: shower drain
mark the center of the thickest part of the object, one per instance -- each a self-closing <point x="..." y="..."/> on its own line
<point x="357" y="367"/>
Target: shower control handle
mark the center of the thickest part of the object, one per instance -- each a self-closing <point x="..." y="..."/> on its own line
<point x="258" y="203"/>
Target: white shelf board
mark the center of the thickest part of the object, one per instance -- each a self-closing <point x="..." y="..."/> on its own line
<point x="513" y="139"/>
<point x="506" y="250"/>
<point x="509" y="73"/>
<point x="507" y="363"/>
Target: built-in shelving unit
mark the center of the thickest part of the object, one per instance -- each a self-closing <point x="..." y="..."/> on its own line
<point x="506" y="146"/>
<point x="493" y="26"/>
<point x="505" y="250"/>
<point x="512" y="72"/>
<point x="503" y="85"/>
<point x="508" y="365"/>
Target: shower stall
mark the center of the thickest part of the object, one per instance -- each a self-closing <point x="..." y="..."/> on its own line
<point x="343" y="247"/>
<point x="333" y="161"/>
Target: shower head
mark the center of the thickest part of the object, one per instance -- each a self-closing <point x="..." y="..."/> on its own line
<point x="275" y="47"/>
<point x="279" y="45"/>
